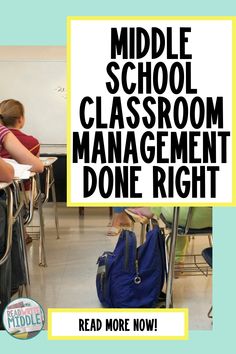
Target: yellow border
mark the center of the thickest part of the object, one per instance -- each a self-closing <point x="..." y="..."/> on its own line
<point x="52" y="310"/>
<point x="154" y="18"/>
<point x="108" y="204"/>
<point x="233" y="110"/>
<point x="68" y="109"/>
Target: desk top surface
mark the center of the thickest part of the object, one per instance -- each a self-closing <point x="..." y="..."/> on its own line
<point x="4" y="184"/>
<point x="48" y="161"/>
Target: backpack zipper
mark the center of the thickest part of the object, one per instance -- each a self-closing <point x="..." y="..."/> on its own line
<point x="127" y="251"/>
<point x="137" y="278"/>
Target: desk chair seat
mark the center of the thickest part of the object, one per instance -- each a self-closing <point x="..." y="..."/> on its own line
<point x="193" y="221"/>
<point x="193" y="218"/>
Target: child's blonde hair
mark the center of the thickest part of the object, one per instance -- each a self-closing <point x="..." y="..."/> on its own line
<point x="10" y="111"/>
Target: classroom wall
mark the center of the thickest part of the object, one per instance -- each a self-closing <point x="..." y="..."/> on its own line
<point x="33" y="52"/>
<point x="36" y="76"/>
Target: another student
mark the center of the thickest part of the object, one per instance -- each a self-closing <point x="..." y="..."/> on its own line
<point x="12" y="116"/>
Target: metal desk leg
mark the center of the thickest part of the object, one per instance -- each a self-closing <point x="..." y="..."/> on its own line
<point x="19" y="204"/>
<point x="169" y="300"/>
<point x="111" y="212"/>
<point x="31" y="202"/>
<point x="81" y="211"/>
<point x="42" y="253"/>
<point x="10" y="222"/>
<point x="54" y="200"/>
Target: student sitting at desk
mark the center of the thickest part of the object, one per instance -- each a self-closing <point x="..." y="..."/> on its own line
<point x="12" y="117"/>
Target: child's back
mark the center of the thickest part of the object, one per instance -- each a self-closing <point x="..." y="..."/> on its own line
<point x="30" y="142"/>
<point x="12" y="117"/>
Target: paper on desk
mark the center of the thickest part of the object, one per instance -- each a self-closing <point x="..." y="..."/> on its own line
<point x="21" y="170"/>
<point x="48" y="160"/>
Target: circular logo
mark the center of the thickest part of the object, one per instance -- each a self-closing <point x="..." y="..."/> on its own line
<point x="23" y="318"/>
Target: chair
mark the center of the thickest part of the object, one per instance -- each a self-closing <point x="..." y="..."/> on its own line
<point x="179" y="222"/>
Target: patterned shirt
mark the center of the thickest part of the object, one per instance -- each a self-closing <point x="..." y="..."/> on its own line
<point x="3" y="132"/>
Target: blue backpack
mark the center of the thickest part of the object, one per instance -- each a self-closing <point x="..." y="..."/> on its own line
<point x="132" y="277"/>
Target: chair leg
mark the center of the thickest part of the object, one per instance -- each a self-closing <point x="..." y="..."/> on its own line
<point x="81" y="211"/>
<point x="210" y="240"/>
<point x="169" y="285"/>
<point x="42" y="252"/>
<point x="210" y="313"/>
<point x="110" y="211"/>
<point x="54" y="203"/>
<point x="20" y="291"/>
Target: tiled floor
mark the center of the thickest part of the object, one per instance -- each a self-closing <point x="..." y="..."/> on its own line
<point x="69" y="279"/>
